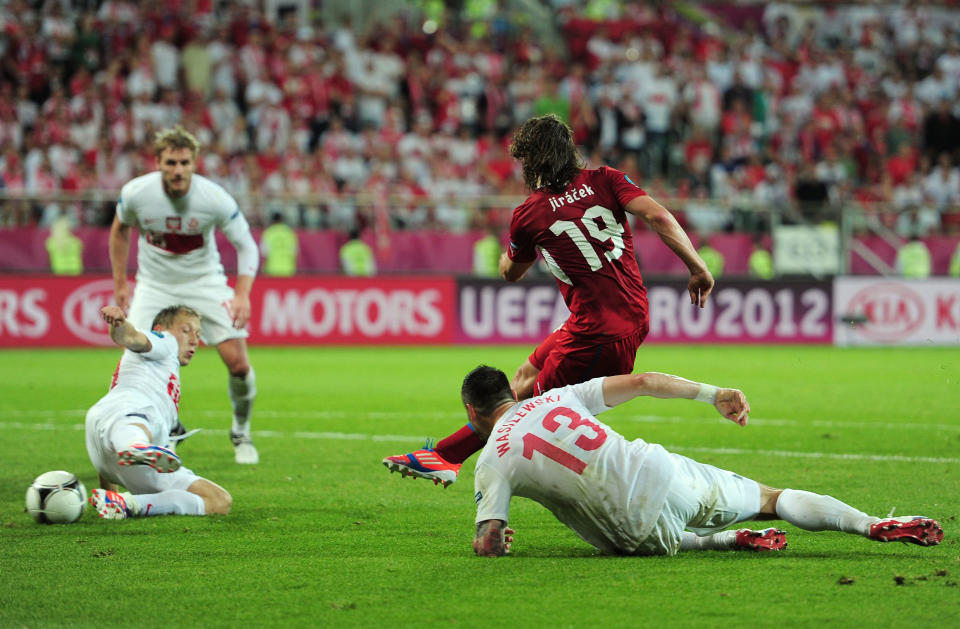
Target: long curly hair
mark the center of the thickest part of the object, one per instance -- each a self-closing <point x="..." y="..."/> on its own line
<point x="549" y="158"/>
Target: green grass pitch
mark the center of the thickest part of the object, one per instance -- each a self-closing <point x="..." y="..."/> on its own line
<point x="322" y="535"/>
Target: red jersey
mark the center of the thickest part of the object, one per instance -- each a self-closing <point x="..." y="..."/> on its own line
<point x="586" y="241"/>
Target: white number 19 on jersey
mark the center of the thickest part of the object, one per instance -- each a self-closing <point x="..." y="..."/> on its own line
<point x="612" y="231"/>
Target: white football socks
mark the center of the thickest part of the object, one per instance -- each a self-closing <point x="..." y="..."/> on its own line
<point x="131" y="502"/>
<point x="243" y="389"/>
<point x="816" y="512"/>
<point x="171" y="501"/>
<point x="718" y="541"/>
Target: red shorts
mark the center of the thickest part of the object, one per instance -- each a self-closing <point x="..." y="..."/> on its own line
<point x="564" y="359"/>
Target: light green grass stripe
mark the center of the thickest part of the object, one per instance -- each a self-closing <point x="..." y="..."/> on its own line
<point x="356" y="436"/>
<point x="817" y="455"/>
<point x="405" y="415"/>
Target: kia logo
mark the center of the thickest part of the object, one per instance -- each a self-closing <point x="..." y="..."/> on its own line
<point x="892" y="311"/>
<point x="81" y="312"/>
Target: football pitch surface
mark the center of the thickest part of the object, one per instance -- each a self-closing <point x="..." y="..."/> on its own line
<point x="322" y="535"/>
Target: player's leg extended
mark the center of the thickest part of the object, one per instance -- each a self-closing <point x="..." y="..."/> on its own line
<point x="243" y="389"/>
<point x="150" y="491"/>
<point x="816" y="512"/>
<point x="442" y="463"/>
<point x="705" y="500"/>
<point x="740" y="539"/>
<point x="150" y="494"/>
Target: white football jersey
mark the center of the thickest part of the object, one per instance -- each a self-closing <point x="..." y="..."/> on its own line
<point x="149" y="383"/>
<point x="553" y="450"/>
<point x="177" y="243"/>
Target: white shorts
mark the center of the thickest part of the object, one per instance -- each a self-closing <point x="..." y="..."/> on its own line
<point x="212" y="301"/>
<point x="703" y="499"/>
<point x="138" y="479"/>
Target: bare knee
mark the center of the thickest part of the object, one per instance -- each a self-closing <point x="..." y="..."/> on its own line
<point x="768" y="501"/>
<point x="216" y="499"/>
<point x="218" y="503"/>
<point x="238" y="367"/>
<point x="233" y="352"/>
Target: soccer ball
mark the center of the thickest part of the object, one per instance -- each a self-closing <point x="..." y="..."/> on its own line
<point x="56" y="498"/>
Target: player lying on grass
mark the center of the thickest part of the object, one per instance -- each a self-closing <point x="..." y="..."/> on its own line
<point x="634" y="497"/>
<point x="128" y="429"/>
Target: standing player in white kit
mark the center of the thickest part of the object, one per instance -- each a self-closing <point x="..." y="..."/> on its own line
<point x="176" y="212"/>
<point x="127" y="430"/>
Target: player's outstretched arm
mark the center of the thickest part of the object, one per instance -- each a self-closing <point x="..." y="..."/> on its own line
<point x="492" y="539"/>
<point x="119" y="245"/>
<point x="731" y="403"/>
<point x="671" y="233"/>
<point x="122" y="331"/>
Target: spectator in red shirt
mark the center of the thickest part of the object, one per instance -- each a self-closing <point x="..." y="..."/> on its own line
<point x="901" y="166"/>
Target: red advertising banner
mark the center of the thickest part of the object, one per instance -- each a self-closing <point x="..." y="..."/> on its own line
<point x="38" y="311"/>
<point x="737" y="312"/>
<point x="352" y="311"/>
<point x="53" y="311"/>
<point x="743" y="312"/>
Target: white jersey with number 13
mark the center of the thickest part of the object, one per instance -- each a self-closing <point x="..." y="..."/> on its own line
<point x="553" y="450"/>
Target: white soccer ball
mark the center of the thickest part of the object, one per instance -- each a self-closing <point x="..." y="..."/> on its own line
<point x="56" y="498"/>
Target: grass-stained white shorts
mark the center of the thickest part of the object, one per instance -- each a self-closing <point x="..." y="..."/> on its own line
<point x="702" y="499"/>
<point x="138" y="479"/>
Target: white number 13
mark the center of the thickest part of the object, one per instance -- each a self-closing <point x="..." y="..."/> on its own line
<point x="611" y="231"/>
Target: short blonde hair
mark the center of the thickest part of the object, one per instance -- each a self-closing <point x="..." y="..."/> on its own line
<point x="175" y="138"/>
<point x="168" y="315"/>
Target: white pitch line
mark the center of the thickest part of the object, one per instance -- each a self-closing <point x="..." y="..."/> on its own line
<point x="405" y="415"/>
<point x="819" y="455"/>
<point x="348" y="436"/>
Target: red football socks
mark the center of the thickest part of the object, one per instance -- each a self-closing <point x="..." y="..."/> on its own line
<point x="458" y="447"/>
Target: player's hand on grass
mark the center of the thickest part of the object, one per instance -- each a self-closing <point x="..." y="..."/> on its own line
<point x="113" y="315"/>
<point x="733" y="405"/>
<point x="493" y="539"/>
<point x="699" y="287"/>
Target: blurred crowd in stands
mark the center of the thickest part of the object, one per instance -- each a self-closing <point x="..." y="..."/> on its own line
<point x="719" y="108"/>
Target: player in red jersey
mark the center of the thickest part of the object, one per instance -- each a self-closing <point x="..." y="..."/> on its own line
<point x="576" y="218"/>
